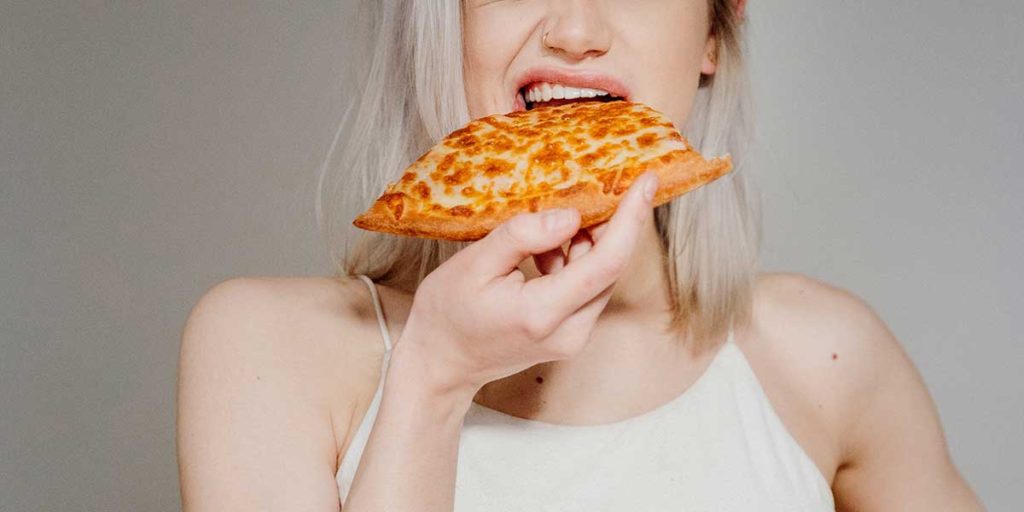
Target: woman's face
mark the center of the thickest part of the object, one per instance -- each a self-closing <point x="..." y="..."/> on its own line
<point x="651" y="51"/>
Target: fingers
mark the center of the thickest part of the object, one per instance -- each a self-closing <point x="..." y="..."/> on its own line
<point x="518" y="238"/>
<point x="549" y="262"/>
<point x="585" y="276"/>
<point x="581" y="244"/>
<point x="553" y="260"/>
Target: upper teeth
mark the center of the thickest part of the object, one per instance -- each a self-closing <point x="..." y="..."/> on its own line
<point x="546" y="92"/>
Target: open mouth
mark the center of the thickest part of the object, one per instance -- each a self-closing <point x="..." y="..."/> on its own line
<point x="547" y="94"/>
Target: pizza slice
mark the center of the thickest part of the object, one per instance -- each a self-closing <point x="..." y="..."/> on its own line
<point x="582" y="155"/>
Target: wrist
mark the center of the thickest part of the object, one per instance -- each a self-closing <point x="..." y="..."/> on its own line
<point x="414" y="372"/>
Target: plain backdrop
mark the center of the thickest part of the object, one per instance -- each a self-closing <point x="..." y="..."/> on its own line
<point x="151" y="149"/>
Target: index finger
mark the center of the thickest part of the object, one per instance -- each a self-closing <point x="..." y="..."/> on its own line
<point x="580" y="281"/>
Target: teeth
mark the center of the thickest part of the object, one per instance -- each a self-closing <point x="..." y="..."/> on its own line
<point x="548" y="91"/>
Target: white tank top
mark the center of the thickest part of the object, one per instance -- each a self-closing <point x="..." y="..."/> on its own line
<point x="718" y="447"/>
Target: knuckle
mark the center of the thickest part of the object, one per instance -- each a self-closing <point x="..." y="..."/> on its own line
<point x="515" y="230"/>
<point x="534" y="328"/>
<point x="539" y="324"/>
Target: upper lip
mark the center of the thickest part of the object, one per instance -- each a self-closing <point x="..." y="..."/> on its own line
<point x="591" y="79"/>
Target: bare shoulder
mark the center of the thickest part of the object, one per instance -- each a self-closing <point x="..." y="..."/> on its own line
<point x="850" y="395"/>
<point x="815" y="348"/>
<point x="313" y="326"/>
<point x="273" y="371"/>
<point x="831" y="335"/>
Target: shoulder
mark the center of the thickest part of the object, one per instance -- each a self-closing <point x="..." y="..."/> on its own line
<point x="317" y="333"/>
<point x="822" y="328"/>
<point x="263" y="358"/>
<point x="297" y="320"/>
<point x="818" y="351"/>
<point x="852" y="396"/>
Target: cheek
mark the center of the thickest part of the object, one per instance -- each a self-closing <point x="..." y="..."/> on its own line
<point x="489" y="47"/>
<point x="677" y="77"/>
<point x="668" y="56"/>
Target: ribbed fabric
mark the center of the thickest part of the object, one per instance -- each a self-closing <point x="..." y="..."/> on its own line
<point x="718" y="447"/>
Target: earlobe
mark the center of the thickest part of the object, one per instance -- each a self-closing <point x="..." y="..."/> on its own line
<point x="740" y="8"/>
<point x="709" y="63"/>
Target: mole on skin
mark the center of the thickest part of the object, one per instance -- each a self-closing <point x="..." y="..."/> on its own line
<point x="835" y="356"/>
<point x="540" y="380"/>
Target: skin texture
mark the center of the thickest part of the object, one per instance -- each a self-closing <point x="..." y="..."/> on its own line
<point x="276" y="373"/>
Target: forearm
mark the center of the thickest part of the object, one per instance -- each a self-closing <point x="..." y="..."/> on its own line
<point x="410" y="458"/>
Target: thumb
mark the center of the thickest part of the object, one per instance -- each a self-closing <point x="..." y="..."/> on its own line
<point x="519" y="237"/>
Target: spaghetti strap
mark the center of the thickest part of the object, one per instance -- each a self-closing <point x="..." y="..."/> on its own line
<point x="380" y="311"/>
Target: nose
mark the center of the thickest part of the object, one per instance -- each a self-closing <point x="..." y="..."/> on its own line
<point x="576" y="29"/>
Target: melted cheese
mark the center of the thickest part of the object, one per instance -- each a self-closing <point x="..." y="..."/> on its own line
<point x="504" y="159"/>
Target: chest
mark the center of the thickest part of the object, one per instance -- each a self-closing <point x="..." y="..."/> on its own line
<point x="686" y="457"/>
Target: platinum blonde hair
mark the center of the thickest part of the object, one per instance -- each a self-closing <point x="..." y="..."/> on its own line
<point x="412" y="95"/>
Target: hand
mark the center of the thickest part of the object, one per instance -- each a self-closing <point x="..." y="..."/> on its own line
<point x="476" y="318"/>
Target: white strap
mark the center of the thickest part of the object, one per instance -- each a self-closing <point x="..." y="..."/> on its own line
<point x="380" y="311"/>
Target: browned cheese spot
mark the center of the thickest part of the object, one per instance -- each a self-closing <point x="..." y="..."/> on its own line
<point x="646" y="139"/>
<point x="394" y="202"/>
<point x="602" y="153"/>
<point x="463" y="172"/>
<point x="599" y="131"/>
<point x="624" y="129"/>
<point x="423" y="190"/>
<point x="608" y="180"/>
<point x="493" y="167"/>
<point x="443" y="166"/>
<point x="461" y="211"/>
<point x="501" y="143"/>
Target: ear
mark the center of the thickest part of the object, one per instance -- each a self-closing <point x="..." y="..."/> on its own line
<point x="740" y="8"/>
<point x="709" y="62"/>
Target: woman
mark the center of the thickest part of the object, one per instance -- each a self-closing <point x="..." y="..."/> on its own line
<point x="641" y="364"/>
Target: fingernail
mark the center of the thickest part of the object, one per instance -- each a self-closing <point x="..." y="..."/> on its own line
<point x="650" y="186"/>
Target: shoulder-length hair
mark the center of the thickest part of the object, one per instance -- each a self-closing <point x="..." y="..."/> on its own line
<point x="412" y="94"/>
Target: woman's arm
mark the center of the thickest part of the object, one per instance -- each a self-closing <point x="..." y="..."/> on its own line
<point x="410" y="457"/>
<point x="851" y="396"/>
<point x="896" y="453"/>
<point x="253" y="428"/>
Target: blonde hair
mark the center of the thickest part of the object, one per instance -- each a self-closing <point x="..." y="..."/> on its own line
<point x="412" y="95"/>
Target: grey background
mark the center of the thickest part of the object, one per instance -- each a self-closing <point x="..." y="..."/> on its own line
<point x="150" y="149"/>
